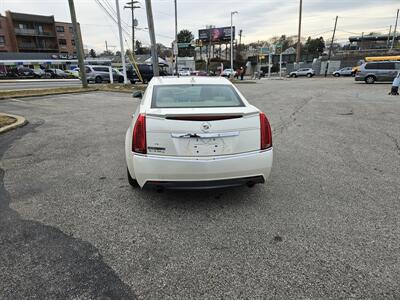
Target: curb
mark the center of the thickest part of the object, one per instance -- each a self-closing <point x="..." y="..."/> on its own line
<point x="46" y="94"/>
<point x="21" y="121"/>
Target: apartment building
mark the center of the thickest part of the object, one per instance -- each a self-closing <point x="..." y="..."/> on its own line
<point x="35" y="33"/>
<point x="5" y="41"/>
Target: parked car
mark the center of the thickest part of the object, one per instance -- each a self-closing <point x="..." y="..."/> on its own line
<point x="184" y="72"/>
<point x="347" y="71"/>
<point x="25" y="72"/>
<point x="55" y="73"/>
<point x="228" y="73"/>
<point x="197" y="132"/>
<point x="39" y="73"/>
<point x="146" y="71"/>
<point x="72" y="73"/>
<point x="381" y="71"/>
<point x="309" y="72"/>
<point x="99" y="74"/>
<point x="198" y="73"/>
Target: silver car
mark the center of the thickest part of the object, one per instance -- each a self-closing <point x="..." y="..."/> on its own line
<point x="309" y="72"/>
<point x="99" y="74"/>
<point x="343" y="72"/>
<point x="371" y="72"/>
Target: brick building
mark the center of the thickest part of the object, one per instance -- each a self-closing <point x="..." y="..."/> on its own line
<point x="35" y="33"/>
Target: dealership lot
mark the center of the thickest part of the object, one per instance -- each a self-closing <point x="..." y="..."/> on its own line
<point x="325" y="225"/>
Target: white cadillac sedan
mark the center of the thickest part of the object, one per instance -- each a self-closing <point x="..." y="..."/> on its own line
<point x="197" y="133"/>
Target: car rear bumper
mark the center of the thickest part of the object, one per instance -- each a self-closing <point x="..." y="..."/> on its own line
<point x="209" y="184"/>
<point x="202" y="172"/>
<point x="359" y="78"/>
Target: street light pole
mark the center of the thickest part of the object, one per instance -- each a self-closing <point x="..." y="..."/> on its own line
<point x="298" y="50"/>
<point x="176" y="38"/>
<point x="232" y="13"/>
<point x="121" y="42"/>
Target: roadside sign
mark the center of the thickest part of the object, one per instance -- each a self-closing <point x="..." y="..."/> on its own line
<point x="183" y="45"/>
<point x="264" y="50"/>
<point x="175" y="48"/>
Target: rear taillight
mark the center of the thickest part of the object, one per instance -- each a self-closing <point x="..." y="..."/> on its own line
<point x="265" y="132"/>
<point x="139" y="135"/>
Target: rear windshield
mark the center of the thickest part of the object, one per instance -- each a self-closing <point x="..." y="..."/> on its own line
<point x="198" y="95"/>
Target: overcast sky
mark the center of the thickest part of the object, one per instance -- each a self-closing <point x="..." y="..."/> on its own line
<point x="259" y="19"/>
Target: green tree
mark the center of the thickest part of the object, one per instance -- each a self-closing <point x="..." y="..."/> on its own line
<point x="138" y="47"/>
<point x="314" y="46"/>
<point x="185" y="36"/>
<point x="107" y="53"/>
<point x="92" y="53"/>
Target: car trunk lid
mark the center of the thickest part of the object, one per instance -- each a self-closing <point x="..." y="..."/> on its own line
<point x="202" y="132"/>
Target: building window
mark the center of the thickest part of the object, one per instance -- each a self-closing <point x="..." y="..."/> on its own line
<point x="22" y="26"/>
<point x="60" y="28"/>
<point x="73" y="42"/>
<point x="2" y="40"/>
<point x="62" y="42"/>
<point x="71" y="30"/>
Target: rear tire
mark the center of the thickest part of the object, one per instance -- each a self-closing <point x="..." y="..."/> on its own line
<point x="98" y="79"/>
<point x="370" y="80"/>
<point x="309" y="75"/>
<point x="131" y="181"/>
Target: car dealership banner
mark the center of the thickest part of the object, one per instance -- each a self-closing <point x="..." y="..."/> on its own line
<point x="218" y="35"/>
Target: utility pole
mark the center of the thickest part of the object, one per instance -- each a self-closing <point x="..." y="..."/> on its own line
<point x="150" y="22"/>
<point x="106" y="47"/>
<point x="388" y="39"/>
<point x="330" y="48"/>
<point x="395" y="31"/>
<point x="361" y="41"/>
<point x="209" y="27"/>
<point x="121" y="42"/>
<point x="131" y="5"/>
<point x="232" y="13"/>
<point x="78" y="42"/>
<point x="240" y="36"/>
<point x="298" y="50"/>
<point x="176" y="38"/>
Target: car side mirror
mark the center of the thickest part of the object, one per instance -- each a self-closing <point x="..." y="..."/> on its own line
<point x="137" y="94"/>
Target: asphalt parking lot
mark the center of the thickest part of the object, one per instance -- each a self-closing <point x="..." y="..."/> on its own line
<point x="326" y="225"/>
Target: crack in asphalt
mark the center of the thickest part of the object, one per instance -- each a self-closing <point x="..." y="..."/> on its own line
<point x="395" y="142"/>
<point x="42" y="262"/>
<point x="282" y="126"/>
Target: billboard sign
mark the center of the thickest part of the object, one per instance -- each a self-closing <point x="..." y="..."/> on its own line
<point x="222" y="34"/>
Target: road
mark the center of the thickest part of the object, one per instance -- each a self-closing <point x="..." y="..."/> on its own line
<point x="37" y="84"/>
<point x="326" y="225"/>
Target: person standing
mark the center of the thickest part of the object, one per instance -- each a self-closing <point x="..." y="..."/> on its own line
<point x="395" y="85"/>
<point x="241" y="73"/>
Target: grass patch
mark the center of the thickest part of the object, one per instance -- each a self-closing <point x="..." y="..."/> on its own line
<point x="43" y="92"/>
<point x="68" y="90"/>
<point x="119" y="87"/>
<point x="6" y="120"/>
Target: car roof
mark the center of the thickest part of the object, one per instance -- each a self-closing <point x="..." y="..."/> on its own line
<point x="167" y="80"/>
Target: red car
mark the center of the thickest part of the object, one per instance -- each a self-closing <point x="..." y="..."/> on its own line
<point x="198" y="73"/>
